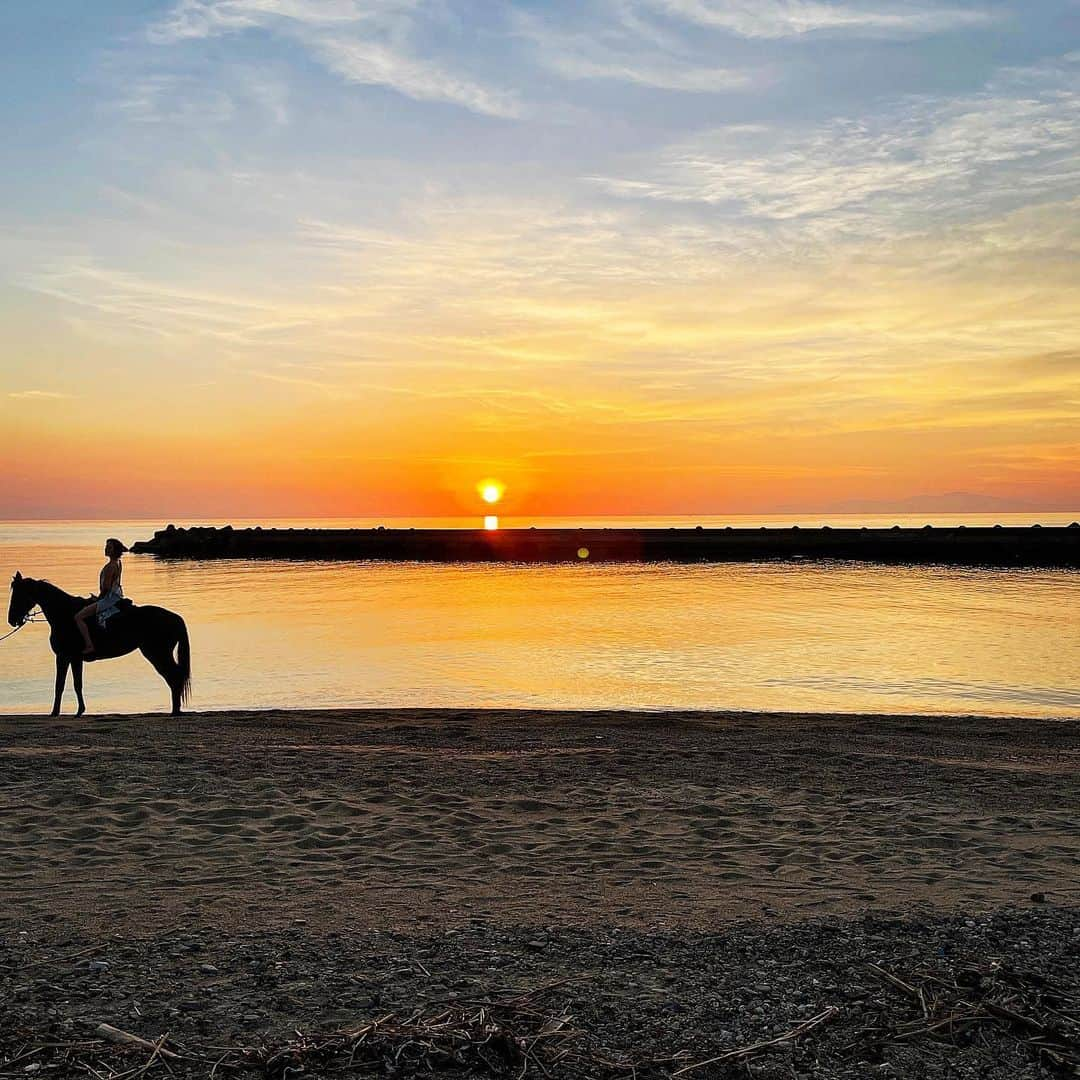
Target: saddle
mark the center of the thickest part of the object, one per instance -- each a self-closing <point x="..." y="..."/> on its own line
<point x="116" y="628"/>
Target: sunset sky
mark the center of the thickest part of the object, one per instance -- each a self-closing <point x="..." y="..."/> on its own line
<point x="351" y="257"/>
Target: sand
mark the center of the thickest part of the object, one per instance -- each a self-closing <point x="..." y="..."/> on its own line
<point x="432" y="819"/>
<point x="682" y="885"/>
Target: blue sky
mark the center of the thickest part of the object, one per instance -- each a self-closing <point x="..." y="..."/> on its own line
<point x="633" y="209"/>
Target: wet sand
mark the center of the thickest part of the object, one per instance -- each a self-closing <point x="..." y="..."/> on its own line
<point x="432" y="819"/>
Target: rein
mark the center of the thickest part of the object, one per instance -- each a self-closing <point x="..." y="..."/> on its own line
<point x="33" y="616"/>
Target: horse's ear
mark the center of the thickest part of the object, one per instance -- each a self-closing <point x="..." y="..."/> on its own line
<point x="18" y="576"/>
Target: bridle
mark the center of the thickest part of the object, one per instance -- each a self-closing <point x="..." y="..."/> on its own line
<point x="29" y="617"/>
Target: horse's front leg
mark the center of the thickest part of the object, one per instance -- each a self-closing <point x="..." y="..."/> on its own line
<point x="61" y="678"/>
<point x="76" y="679"/>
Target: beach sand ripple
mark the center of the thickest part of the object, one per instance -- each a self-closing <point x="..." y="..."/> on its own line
<point x="396" y="819"/>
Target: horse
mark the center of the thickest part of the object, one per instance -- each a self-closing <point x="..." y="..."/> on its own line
<point x="154" y="631"/>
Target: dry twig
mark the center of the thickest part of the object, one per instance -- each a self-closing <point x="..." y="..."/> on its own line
<point x="745" y="1052"/>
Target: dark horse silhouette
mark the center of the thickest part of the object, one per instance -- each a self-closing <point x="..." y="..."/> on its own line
<point x="154" y="631"/>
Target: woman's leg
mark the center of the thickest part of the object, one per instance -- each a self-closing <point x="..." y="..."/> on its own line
<point x="80" y="622"/>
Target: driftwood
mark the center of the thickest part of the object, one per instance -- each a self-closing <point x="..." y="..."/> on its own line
<point x="125" y="1038"/>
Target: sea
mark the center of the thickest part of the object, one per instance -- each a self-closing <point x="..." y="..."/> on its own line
<point x="791" y="637"/>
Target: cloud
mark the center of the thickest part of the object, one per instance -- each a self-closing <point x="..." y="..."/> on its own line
<point x="508" y="285"/>
<point x="1015" y="143"/>
<point x="37" y="395"/>
<point x="627" y="50"/>
<point x="142" y="306"/>
<point x="362" y="41"/>
<point x="378" y="64"/>
<point x="670" y="44"/>
<point x="792" y="18"/>
<point x="209" y="18"/>
<point x="663" y="75"/>
<point x="164" y="98"/>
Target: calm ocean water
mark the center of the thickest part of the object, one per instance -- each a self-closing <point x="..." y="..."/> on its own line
<point x="842" y="637"/>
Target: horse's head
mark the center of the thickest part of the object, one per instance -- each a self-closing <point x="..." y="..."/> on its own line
<point x="22" y="599"/>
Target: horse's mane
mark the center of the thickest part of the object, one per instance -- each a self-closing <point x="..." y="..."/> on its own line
<point x="57" y="591"/>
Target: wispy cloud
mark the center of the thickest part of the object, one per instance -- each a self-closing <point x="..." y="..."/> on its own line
<point x="625" y="49"/>
<point x="365" y="42"/>
<point x="672" y="44"/>
<point x="168" y="98"/>
<point x="37" y="395"/>
<point x="1015" y="143"/>
<point x="140" y="306"/>
<point x="374" y="63"/>
<point x="792" y="18"/>
<point x="662" y="74"/>
<point x="208" y="18"/>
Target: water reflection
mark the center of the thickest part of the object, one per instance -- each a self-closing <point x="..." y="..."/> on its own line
<point x="772" y="636"/>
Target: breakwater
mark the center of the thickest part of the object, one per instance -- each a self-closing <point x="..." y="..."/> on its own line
<point x="1033" y="546"/>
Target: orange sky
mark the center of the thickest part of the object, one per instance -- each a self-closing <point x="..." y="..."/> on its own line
<point x="237" y="283"/>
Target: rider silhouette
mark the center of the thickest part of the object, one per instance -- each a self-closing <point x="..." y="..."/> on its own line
<point x="110" y="593"/>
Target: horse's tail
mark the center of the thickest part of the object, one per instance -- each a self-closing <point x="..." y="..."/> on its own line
<point x="183" y="660"/>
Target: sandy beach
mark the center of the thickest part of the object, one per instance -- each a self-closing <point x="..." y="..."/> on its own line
<point x="393" y="819"/>
<point x="537" y="839"/>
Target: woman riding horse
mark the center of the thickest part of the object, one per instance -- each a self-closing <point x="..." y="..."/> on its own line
<point x="154" y="631"/>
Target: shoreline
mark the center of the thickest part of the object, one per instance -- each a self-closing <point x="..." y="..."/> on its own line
<point x="541" y="714"/>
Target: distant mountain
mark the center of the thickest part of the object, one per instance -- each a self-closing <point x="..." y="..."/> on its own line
<point x="948" y="502"/>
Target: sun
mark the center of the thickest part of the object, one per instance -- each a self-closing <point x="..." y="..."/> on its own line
<point x="491" y="491"/>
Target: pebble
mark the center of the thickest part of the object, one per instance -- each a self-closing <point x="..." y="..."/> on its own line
<point x="669" y="990"/>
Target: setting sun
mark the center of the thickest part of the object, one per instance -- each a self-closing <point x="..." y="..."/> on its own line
<point x="491" y="491"/>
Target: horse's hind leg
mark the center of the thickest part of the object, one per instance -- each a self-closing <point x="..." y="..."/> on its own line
<point x="169" y="670"/>
<point x="76" y="679"/>
<point x="61" y="678"/>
